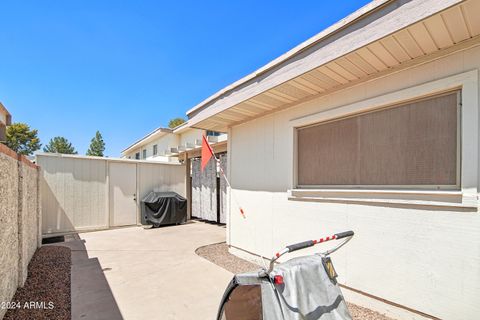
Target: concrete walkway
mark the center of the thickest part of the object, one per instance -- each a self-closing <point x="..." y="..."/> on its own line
<point x="136" y="273"/>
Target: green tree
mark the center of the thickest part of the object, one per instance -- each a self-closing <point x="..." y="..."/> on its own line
<point x="97" y="146"/>
<point x="22" y="139"/>
<point x="175" y="122"/>
<point x="59" y="145"/>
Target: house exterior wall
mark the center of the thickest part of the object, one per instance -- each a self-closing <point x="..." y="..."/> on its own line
<point x="425" y="258"/>
<point x="189" y="136"/>
<point x="167" y="141"/>
<point x="3" y="132"/>
<point x="5" y="120"/>
<point x="19" y="216"/>
<point x="163" y="143"/>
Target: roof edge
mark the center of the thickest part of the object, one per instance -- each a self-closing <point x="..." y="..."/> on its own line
<point x="140" y="141"/>
<point x="348" y="20"/>
<point x="2" y="108"/>
<point x="110" y="159"/>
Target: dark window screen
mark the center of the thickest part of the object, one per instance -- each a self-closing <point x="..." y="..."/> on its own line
<point x="409" y="144"/>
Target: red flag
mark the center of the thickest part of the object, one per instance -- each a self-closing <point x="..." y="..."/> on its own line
<point x="207" y="152"/>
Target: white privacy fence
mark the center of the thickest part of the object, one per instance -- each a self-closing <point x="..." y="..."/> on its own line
<point x="89" y="193"/>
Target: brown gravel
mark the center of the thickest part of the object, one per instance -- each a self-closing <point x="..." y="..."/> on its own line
<point x="218" y="254"/>
<point x="47" y="285"/>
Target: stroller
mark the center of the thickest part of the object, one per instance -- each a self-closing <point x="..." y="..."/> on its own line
<point x="300" y="288"/>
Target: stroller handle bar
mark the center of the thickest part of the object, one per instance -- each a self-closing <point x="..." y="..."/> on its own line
<point x="310" y="243"/>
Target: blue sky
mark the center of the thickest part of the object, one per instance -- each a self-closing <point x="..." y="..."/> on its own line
<point x="71" y="67"/>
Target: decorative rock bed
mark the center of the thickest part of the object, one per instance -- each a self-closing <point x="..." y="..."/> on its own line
<point x="46" y="293"/>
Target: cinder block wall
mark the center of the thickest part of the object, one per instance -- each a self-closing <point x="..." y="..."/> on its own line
<point x="19" y="220"/>
<point x="8" y="228"/>
<point x="28" y="226"/>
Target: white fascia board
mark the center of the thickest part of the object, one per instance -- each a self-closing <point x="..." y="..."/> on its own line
<point x="325" y="33"/>
<point x="380" y="22"/>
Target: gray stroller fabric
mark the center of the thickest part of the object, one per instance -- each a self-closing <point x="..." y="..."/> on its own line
<point x="307" y="293"/>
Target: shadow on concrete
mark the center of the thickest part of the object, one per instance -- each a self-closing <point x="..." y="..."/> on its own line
<point x="151" y="227"/>
<point x="215" y="223"/>
<point x="92" y="297"/>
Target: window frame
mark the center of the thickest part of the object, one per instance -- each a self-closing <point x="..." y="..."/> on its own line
<point x="137" y="155"/>
<point x="144" y="154"/>
<point x="210" y="133"/>
<point x="155" y="150"/>
<point x="455" y="186"/>
<point x="466" y="81"/>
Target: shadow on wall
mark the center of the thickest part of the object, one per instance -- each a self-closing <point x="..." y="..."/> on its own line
<point x="54" y="218"/>
<point x="87" y="170"/>
<point x="92" y="297"/>
<point x="73" y="193"/>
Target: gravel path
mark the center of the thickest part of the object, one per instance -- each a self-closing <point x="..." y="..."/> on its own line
<point x="46" y="293"/>
<point x="218" y="254"/>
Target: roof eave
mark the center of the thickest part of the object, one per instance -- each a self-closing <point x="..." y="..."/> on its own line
<point x="350" y="19"/>
<point x="394" y="17"/>
<point x="157" y="133"/>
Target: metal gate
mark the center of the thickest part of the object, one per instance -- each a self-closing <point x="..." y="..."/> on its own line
<point x="209" y="191"/>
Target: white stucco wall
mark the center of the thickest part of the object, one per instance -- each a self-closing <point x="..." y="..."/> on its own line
<point x="3" y="117"/>
<point x="190" y="135"/>
<point x="424" y="258"/>
<point x="165" y="142"/>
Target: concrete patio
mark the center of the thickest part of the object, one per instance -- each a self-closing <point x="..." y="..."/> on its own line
<point x="136" y="273"/>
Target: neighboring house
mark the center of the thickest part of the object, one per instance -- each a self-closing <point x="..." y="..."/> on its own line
<point x="152" y="147"/>
<point x="5" y="120"/>
<point x="165" y="144"/>
<point x="371" y="125"/>
<point x="204" y="189"/>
